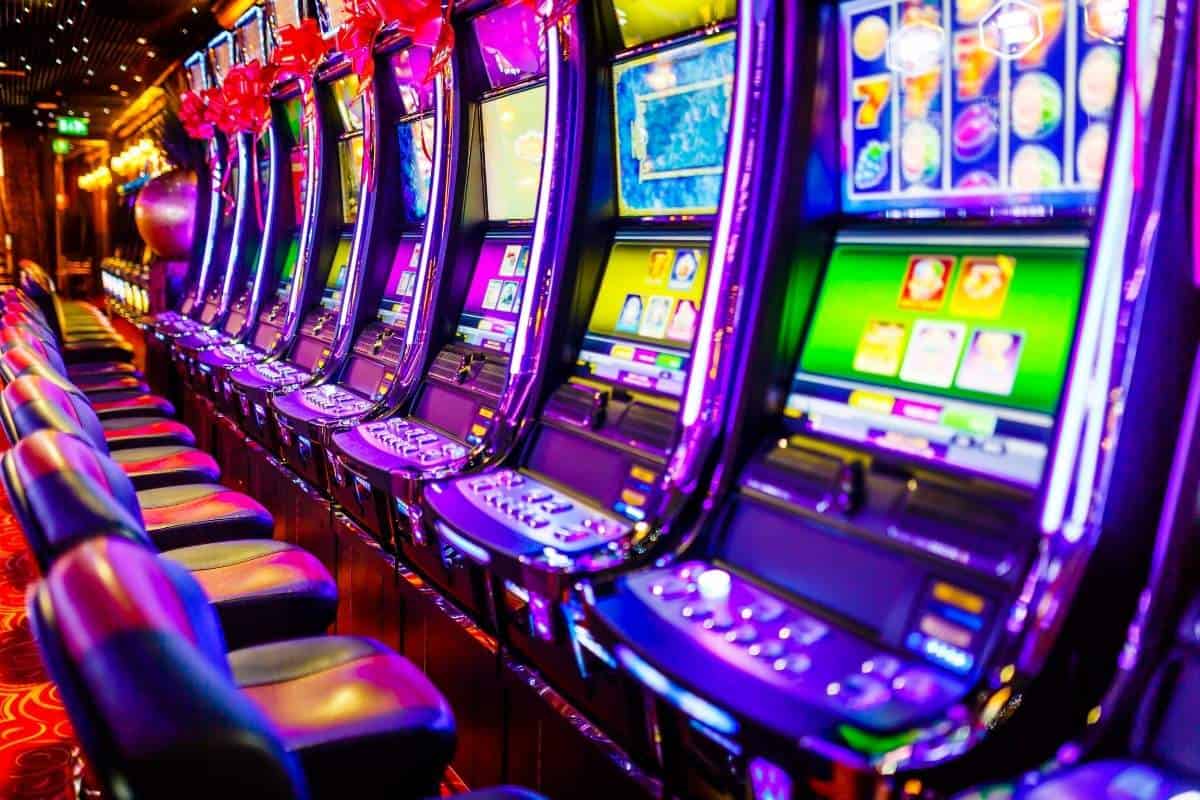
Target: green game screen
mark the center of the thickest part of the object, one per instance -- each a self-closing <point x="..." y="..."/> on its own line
<point x="964" y="323"/>
<point x="646" y="20"/>
<point x="513" y="127"/>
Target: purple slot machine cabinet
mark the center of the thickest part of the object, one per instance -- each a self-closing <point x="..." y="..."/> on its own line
<point x="279" y="292"/>
<point x="337" y="140"/>
<point x="519" y="83"/>
<point x="626" y="430"/>
<point x="403" y="227"/>
<point x="244" y="282"/>
<point x="941" y="508"/>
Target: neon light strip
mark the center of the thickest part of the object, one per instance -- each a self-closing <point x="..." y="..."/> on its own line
<point x="550" y="132"/>
<point x="315" y="141"/>
<point x="436" y="198"/>
<point x="269" y="231"/>
<point x="214" y="219"/>
<point x="239" y="220"/>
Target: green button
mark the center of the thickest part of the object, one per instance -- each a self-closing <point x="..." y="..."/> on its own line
<point x="667" y="361"/>
<point x="979" y="423"/>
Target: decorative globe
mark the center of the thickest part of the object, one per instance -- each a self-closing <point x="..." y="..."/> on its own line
<point x="164" y="213"/>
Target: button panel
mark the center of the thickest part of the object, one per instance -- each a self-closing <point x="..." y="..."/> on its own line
<point x="334" y="401"/>
<point x="238" y="353"/>
<point x="793" y="649"/>
<point x="411" y="441"/>
<point x="280" y="372"/>
<point x="538" y="512"/>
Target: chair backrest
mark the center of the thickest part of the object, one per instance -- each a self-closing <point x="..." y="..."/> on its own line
<point x="23" y="338"/>
<point x="35" y="283"/>
<point x="63" y="492"/>
<point x="137" y="654"/>
<point x="1165" y="730"/>
<point x="33" y="401"/>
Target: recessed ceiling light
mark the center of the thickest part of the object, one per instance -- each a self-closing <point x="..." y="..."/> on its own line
<point x="91" y="72"/>
<point x="151" y="53"/>
<point x="113" y="87"/>
<point x="74" y="49"/>
<point x="3" y="64"/>
<point x="141" y="40"/>
<point x="137" y="78"/>
<point x="106" y="111"/>
<point x="58" y="61"/>
<point x="85" y="40"/>
<point x="195" y="10"/>
<point x="124" y="93"/>
<point x="124" y="68"/>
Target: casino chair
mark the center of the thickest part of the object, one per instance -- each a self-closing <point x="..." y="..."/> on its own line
<point x="162" y="710"/>
<point x="82" y="330"/>
<point x="16" y="310"/>
<point x="63" y="492"/>
<point x="177" y="514"/>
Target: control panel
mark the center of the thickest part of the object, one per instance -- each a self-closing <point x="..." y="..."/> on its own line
<point x="334" y="400"/>
<point x="793" y="650"/>
<point x="281" y="373"/>
<point x="420" y="446"/>
<point x="542" y="514"/>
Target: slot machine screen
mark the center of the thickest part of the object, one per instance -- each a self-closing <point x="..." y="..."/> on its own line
<point x="350" y="159"/>
<point x="642" y="21"/>
<point x="284" y="13"/>
<point x="953" y="109"/>
<point x="493" y="303"/>
<point x="250" y="41"/>
<point x="221" y="50"/>
<point x="294" y="114"/>
<point x="197" y="79"/>
<point x="347" y="93"/>
<point x="643" y="325"/>
<point x="298" y="159"/>
<point x="289" y="268"/>
<point x="410" y="67"/>
<point x="416" y="166"/>
<point x="511" y="45"/>
<point x="957" y="355"/>
<point x="331" y="14"/>
<point x="672" y="110"/>
<point x="513" y="130"/>
<point x="229" y="209"/>
<point x="396" y="305"/>
<point x="331" y="297"/>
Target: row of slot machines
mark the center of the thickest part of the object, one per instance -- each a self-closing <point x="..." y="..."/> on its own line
<point x="797" y="386"/>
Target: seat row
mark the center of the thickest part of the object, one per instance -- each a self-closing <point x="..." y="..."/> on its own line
<point x="187" y="644"/>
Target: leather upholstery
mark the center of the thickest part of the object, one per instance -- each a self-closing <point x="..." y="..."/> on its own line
<point x="344" y="705"/>
<point x="146" y="432"/>
<point x="259" y="586"/>
<point x="167" y="465"/>
<point x="139" y="666"/>
<point x="182" y="516"/>
<point x="27" y="359"/>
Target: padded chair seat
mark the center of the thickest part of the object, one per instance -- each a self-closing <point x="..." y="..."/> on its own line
<point x="198" y="513"/>
<point x="262" y="590"/>
<point x="127" y="432"/>
<point x="104" y="368"/>
<point x="350" y="709"/>
<point x="94" y="384"/>
<point x="167" y="465"/>
<point x="1110" y="780"/>
<point x="111" y="405"/>
<point x="92" y="352"/>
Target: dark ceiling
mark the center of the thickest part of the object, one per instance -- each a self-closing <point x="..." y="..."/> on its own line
<point x="91" y="57"/>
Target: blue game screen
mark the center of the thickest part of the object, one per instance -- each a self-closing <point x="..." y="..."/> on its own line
<point x="672" y="111"/>
<point x="977" y="108"/>
<point x="416" y="166"/>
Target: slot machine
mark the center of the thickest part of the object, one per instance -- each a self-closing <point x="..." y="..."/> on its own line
<point x="249" y="183"/>
<point x="405" y="223"/>
<point x="943" y="470"/>
<point x="519" y="83"/>
<point x="272" y="312"/>
<point x="628" y="427"/>
<point x="203" y="306"/>
<point x="334" y="122"/>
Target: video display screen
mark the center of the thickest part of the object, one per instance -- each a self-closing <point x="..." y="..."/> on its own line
<point x="643" y="325"/>
<point x="294" y="114"/>
<point x="672" y="112"/>
<point x="250" y="43"/>
<point x="331" y="14"/>
<point x="347" y="93"/>
<point x="511" y="44"/>
<point x="283" y="13"/>
<point x="220" y="50"/>
<point x="972" y="108"/>
<point x="350" y="160"/>
<point x="489" y="317"/>
<point x="956" y="355"/>
<point x="396" y="306"/>
<point x="331" y="296"/>
<point x="298" y="160"/>
<point x="409" y="68"/>
<point x="513" y="129"/>
<point x="642" y="21"/>
<point x="284" y="287"/>
<point x="416" y="166"/>
<point x="197" y="77"/>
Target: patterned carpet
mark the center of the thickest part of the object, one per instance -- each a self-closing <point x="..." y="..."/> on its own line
<point x="38" y="755"/>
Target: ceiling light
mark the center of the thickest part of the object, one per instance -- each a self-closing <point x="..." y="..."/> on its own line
<point x="195" y="10"/>
<point x="85" y="58"/>
<point x="61" y="27"/>
<point x="3" y="64"/>
<point x="85" y="41"/>
<point x="58" y="61"/>
<point x="113" y="87"/>
<point x="74" y="49"/>
<point x="124" y="68"/>
<point x="137" y="78"/>
<point x="124" y="93"/>
<point x="91" y="72"/>
<point x="151" y="53"/>
<point x="141" y="40"/>
<point x="106" y="111"/>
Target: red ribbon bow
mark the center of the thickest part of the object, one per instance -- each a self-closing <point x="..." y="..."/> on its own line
<point x="245" y="105"/>
<point x="356" y="37"/>
<point x="426" y="23"/>
<point x="300" y="48"/>
<point x="195" y="115"/>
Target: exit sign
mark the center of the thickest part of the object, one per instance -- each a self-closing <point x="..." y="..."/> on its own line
<point x="73" y="126"/>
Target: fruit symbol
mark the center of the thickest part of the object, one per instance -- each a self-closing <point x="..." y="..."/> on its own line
<point x="1091" y="154"/>
<point x="1037" y="106"/>
<point x="1098" y="77"/>
<point x="1035" y="167"/>
<point x="920" y="152"/>
<point x="982" y="281"/>
<point x="870" y="37"/>
<point x="871" y="166"/>
<point x="975" y="132"/>
<point x="977" y="179"/>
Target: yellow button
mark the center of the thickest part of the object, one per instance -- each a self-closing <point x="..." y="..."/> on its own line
<point x="633" y="498"/>
<point x="478" y="430"/>
<point x="642" y="474"/>
<point x="487" y="413"/>
<point x="959" y="598"/>
<point x="872" y="401"/>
